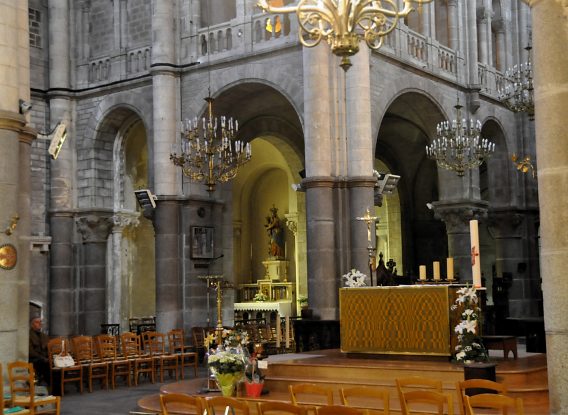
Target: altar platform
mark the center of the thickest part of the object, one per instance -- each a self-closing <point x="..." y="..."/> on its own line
<point x="525" y="377"/>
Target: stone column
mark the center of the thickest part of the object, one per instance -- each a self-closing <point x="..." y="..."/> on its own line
<point x="483" y="25"/>
<point x="322" y="281"/>
<point x="94" y="230"/>
<point x="166" y="174"/>
<point x="360" y="156"/>
<point x="168" y="271"/>
<point x="471" y="41"/>
<point x="62" y="284"/>
<point x="115" y="281"/>
<point x="507" y="227"/>
<point x="500" y="52"/>
<point x="453" y="23"/>
<point x="456" y="215"/>
<point x="550" y="38"/>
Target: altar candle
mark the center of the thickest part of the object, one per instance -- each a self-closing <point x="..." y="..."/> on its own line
<point x="436" y="267"/>
<point x="450" y="268"/>
<point x="475" y="256"/>
<point x="423" y="272"/>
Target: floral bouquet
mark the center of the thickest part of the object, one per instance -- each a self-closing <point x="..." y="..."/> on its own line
<point x="354" y="278"/>
<point x="260" y="296"/>
<point x="224" y="362"/>
<point x="470" y="347"/>
<point x="228" y="338"/>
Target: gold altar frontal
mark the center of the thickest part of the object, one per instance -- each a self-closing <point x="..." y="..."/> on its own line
<point x="405" y="320"/>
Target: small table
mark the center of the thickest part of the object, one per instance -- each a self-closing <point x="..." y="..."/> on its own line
<point x="505" y="343"/>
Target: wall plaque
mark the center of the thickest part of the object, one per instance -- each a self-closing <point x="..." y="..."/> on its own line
<point x="8" y="256"/>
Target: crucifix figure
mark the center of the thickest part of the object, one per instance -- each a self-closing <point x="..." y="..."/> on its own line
<point x="368" y="219"/>
<point x="474" y="253"/>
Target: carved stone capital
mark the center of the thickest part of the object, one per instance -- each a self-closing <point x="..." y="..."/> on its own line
<point x="94" y="228"/>
<point x="292" y="222"/>
<point x="457" y="214"/>
<point x="123" y="220"/>
<point x="505" y="224"/>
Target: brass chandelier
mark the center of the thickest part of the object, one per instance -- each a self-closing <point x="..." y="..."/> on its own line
<point x="343" y="23"/>
<point x="518" y="91"/>
<point x="210" y="152"/>
<point x="458" y="145"/>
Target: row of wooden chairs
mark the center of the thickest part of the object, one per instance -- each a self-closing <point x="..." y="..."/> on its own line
<point x="23" y="399"/>
<point x="412" y="391"/>
<point x="108" y="358"/>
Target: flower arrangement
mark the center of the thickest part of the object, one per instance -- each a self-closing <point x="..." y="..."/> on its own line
<point x="303" y="300"/>
<point x="355" y="278"/>
<point x="225" y="362"/>
<point x="229" y="338"/>
<point x="260" y="296"/>
<point x="470" y="347"/>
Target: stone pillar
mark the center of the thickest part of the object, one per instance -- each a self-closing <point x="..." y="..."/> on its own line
<point x="550" y="38"/>
<point x="94" y="230"/>
<point x="115" y="280"/>
<point x="166" y="174"/>
<point x="500" y="52"/>
<point x="483" y="25"/>
<point x="168" y="273"/>
<point x="453" y="23"/>
<point x="456" y="215"/>
<point x="507" y="228"/>
<point x="62" y="281"/>
<point x="471" y="41"/>
<point x="322" y="281"/>
<point x="360" y="156"/>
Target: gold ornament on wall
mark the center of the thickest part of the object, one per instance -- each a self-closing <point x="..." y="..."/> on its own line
<point x="12" y="226"/>
<point x="8" y="256"/>
<point x="525" y="165"/>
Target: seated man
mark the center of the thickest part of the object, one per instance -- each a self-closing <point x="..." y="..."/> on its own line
<point x="38" y="355"/>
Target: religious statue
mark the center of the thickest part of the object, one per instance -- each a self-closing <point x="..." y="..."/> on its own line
<point x="275" y="232"/>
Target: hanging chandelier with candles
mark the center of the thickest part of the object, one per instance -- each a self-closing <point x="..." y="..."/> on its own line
<point x="458" y="145"/>
<point x="344" y="23"/>
<point x="210" y="152"/>
<point x="518" y="91"/>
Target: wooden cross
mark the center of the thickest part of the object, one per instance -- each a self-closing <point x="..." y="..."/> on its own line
<point x="474" y="253"/>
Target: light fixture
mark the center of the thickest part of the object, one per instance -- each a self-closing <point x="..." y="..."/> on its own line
<point x="145" y="198"/>
<point x="210" y="152"/>
<point x="525" y="165"/>
<point x="57" y="139"/>
<point x="458" y="145"/>
<point x="344" y="23"/>
<point x="518" y="90"/>
<point x="24" y="106"/>
<point x="386" y="185"/>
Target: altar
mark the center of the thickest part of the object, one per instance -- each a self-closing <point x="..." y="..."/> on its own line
<point x="404" y="320"/>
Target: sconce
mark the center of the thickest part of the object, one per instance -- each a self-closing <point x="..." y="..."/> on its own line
<point x="57" y="140"/>
<point x="12" y="226"/>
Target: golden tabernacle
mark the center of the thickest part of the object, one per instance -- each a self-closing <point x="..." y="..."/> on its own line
<point x="413" y="319"/>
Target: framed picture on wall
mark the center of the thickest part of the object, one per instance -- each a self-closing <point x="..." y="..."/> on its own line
<point x="202" y="244"/>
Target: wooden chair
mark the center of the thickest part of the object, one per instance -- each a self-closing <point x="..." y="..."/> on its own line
<point x="310" y="395"/>
<point x="22" y="390"/>
<point x="3" y="403"/>
<point x="499" y="402"/>
<point x="72" y="374"/>
<point x="94" y="368"/>
<point x="340" y="410"/>
<point x="279" y="408"/>
<point x="487" y="386"/>
<point x="187" y="357"/>
<point x="417" y="383"/>
<point x="218" y="405"/>
<point x="198" y="337"/>
<point x="132" y="350"/>
<point x="429" y="397"/>
<point x="372" y="398"/>
<point x="155" y="346"/>
<point x="119" y="366"/>
<point x="177" y="402"/>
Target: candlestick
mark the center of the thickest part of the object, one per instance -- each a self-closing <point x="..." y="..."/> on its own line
<point x="475" y="257"/>
<point x="422" y="272"/>
<point x="436" y="267"/>
<point x="450" y="268"/>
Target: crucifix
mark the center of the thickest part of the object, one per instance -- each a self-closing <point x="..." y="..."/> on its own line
<point x="474" y="253"/>
<point x="368" y="219"/>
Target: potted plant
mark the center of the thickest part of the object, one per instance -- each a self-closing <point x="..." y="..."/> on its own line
<point x="305" y="312"/>
<point x="254" y="379"/>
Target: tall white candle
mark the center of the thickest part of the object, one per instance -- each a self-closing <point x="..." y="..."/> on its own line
<point x="475" y="256"/>
<point x="436" y="267"/>
<point x="450" y="268"/>
<point x="422" y="272"/>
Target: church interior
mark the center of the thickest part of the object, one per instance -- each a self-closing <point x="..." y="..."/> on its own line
<point x="212" y="164"/>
